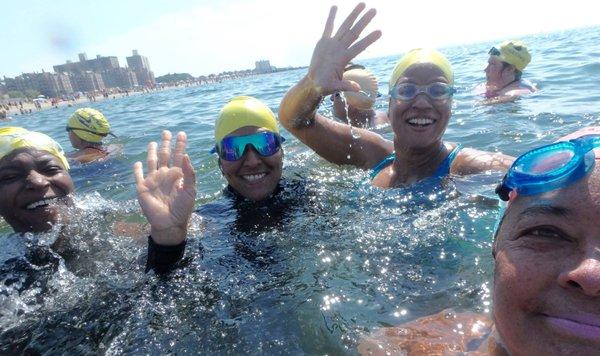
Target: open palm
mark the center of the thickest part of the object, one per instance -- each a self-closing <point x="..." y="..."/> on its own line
<point x="332" y="53"/>
<point x="167" y="193"/>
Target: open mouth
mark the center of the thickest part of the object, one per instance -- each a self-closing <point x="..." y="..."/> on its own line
<point x="41" y="204"/>
<point x="420" y="121"/>
<point x="253" y="177"/>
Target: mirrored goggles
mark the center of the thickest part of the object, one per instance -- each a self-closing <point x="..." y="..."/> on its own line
<point x="550" y="167"/>
<point x="409" y="91"/>
<point x="233" y="148"/>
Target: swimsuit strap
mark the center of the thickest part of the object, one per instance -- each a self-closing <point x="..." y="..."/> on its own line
<point x="442" y="170"/>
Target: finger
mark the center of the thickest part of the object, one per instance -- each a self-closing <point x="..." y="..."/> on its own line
<point x="179" y="149"/>
<point x="138" y="174"/>
<point x="345" y="26"/>
<point x="152" y="159"/>
<point x="361" y="45"/>
<point x="349" y="85"/>
<point x="165" y="149"/>
<point x="358" y="28"/>
<point x="189" y="175"/>
<point x="329" y="24"/>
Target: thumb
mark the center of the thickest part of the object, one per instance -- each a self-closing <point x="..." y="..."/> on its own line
<point x="349" y="85"/>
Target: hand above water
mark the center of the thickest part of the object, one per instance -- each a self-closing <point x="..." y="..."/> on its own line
<point x="332" y="54"/>
<point x="167" y="193"/>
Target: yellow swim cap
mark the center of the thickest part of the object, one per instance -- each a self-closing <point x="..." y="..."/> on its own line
<point x="368" y="88"/>
<point x="420" y="55"/>
<point x="512" y="52"/>
<point x="244" y="111"/>
<point x="12" y="138"/>
<point x="92" y="125"/>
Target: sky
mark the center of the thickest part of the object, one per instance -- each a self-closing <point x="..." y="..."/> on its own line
<point x="202" y="37"/>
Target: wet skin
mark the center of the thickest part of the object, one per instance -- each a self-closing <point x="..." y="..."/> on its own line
<point x="28" y="176"/>
<point x="253" y="176"/>
<point x="547" y="275"/>
<point x="437" y="112"/>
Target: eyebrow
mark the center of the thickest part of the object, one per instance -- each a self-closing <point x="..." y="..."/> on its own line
<point x="545" y="209"/>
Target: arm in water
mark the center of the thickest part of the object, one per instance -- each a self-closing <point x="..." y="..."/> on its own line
<point x="336" y="142"/>
<point x="166" y="196"/>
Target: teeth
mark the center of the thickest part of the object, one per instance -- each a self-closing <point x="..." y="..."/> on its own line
<point x="420" y="121"/>
<point x="40" y="203"/>
<point x="254" y="177"/>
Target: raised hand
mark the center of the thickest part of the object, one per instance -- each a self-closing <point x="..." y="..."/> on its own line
<point x="332" y="54"/>
<point x="167" y="193"/>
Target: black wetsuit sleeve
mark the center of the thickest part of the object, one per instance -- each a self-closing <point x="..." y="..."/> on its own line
<point x="163" y="258"/>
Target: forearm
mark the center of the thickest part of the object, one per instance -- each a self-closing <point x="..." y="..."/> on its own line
<point x="299" y="105"/>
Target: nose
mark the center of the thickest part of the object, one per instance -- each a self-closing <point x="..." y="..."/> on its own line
<point x="422" y="101"/>
<point x="251" y="157"/>
<point x="585" y="277"/>
<point x="36" y="180"/>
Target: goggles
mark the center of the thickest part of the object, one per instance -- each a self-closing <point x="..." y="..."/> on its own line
<point x="494" y="51"/>
<point x="550" y="167"/>
<point x="409" y="91"/>
<point x="233" y="148"/>
<point x="90" y="131"/>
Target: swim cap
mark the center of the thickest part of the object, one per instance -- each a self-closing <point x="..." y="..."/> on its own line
<point x="421" y="55"/>
<point x="515" y="53"/>
<point x="244" y="111"/>
<point x="92" y="121"/>
<point x="12" y="138"/>
<point x="368" y="88"/>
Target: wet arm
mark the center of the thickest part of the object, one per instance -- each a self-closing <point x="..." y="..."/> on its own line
<point x="471" y="161"/>
<point x="336" y="142"/>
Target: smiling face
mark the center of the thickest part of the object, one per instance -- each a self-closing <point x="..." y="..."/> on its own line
<point x="34" y="187"/>
<point x="547" y="275"/>
<point x="422" y="121"/>
<point x="253" y="176"/>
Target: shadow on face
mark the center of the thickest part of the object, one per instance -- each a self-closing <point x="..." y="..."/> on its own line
<point x="547" y="273"/>
<point x="253" y="176"/>
<point x="34" y="187"/>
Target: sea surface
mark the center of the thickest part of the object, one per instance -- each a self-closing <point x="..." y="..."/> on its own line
<point x="332" y="259"/>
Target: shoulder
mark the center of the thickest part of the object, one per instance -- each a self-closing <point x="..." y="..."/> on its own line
<point x="472" y="161"/>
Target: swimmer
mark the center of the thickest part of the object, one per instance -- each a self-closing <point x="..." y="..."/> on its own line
<point x="37" y="188"/>
<point x="87" y="128"/>
<point x="250" y="157"/>
<point x="419" y="111"/>
<point x="357" y="108"/>
<point x="547" y="265"/>
<point x="504" y="71"/>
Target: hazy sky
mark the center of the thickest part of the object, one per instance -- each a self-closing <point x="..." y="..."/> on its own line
<point x="203" y="37"/>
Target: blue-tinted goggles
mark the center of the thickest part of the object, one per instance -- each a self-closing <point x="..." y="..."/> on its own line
<point x="232" y="148"/>
<point x="550" y="167"/>
<point x="409" y="91"/>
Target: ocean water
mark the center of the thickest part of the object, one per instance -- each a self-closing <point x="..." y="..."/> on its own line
<point x="331" y="260"/>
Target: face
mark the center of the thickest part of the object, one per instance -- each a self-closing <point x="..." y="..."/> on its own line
<point x="34" y="187"/>
<point x="422" y="121"/>
<point x="547" y="275"/>
<point x="498" y="73"/>
<point x="75" y="141"/>
<point x="253" y="176"/>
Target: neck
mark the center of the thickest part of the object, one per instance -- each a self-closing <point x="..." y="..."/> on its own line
<point x="497" y="86"/>
<point x="413" y="164"/>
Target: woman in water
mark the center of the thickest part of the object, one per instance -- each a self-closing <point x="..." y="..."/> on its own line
<point x="37" y="188"/>
<point x="419" y="110"/>
<point x="87" y="128"/>
<point x="547" y="265"/>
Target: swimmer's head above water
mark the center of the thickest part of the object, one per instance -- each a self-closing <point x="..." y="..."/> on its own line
<point x="248" y="143"/>
<point x="505" y="67"/>
<point x="87" y="127"/>
<point x="34" y="179"/>
<point x="547" y="251"/>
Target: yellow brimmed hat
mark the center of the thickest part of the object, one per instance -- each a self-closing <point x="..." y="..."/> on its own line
<point x="365" y="98"/>
<point x="244" y="111"/>
<point x="12" y="138"/>
<point x="512" y="52"/>
<point x="421" y="55"/>
<point x="89" y="124"/>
